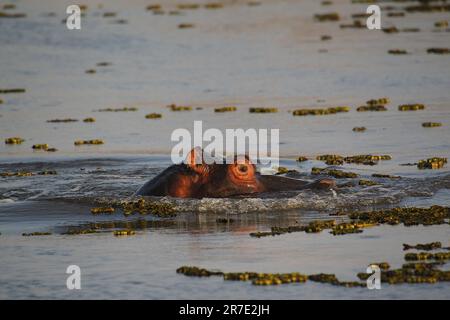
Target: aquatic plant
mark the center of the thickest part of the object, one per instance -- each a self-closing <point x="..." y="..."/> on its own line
<point x="225" y="109"/>
<point x="338" y="174"/>
<point x="14" y="140"/>
<point x="36" y="234"/>
<point x="333" y="16"/>
<point x="371" y="108"/>
<point x="263" y="110"/>
<point x="174" y="107"/>
<point x="153" y="116"/>
<point x="411" y="107"/>
<point x="124" y="233"/>
<point x="432" y="163"/>
<point x="409" y="216"/>
<point x="431" y="124"/>
<point x="98" y="210"/>
<point x="425" y="246"/>
<point x="62" y="120"/>
<point x="88" y="142"/>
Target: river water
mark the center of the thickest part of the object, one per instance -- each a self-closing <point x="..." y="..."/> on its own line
<point x="247" y="56"/>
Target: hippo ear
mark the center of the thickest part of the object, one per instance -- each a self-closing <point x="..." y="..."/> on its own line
<point x="195" y="161"/>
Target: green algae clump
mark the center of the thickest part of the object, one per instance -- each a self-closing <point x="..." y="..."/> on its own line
<point x="124" y="233"/>
<point x="99" y="210"/>
<point x="411" y="107"/>
<point x="225" y="109"/>
<point x="338" y="174"/>
<point x="432" y="163"/>
<point x="153" y="116"/>
<point x="431" y="124"/>
<point x="412" y="216"/>
<point x="88" y="142"/>
<point x="263" y="110"/>
<point x="426" y="246"/>
<point x="14" y="140"/>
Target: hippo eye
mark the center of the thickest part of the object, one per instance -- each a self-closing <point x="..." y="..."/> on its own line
<point x="242" y="168"/>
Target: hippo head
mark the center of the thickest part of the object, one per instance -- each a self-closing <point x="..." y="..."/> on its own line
<point x="196" y="179"/>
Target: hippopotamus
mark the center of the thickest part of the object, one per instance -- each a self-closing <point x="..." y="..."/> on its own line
<point x="219" y="180"/>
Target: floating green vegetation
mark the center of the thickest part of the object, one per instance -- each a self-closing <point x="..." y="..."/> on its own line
<point x="379" y="101"/>
<point x="371" y="108"/>
<point x="9" y="6"/>
<point x="439" y="50"/>
<point x="36" y="234"/>
<point x="441" y="24"/>
<point x="412" y="216"/>
<point x="16" y="174"/>
<point x="356" y="24"/>
<point x="143" y="206"/>
<point x="90" y="119"/>
<point x="359" y="129"/>
<point x="395" y="14"/>
<point x="431" y="124"/>
<point x="412" y="273"/>
<point x="188" y="6"/>
<point x="174" y="107"/>
<point x="390" y="30"/>
<point x="152" y="7"/>
<point x="15" y="90"/>
<point x="284" y="170"/>
<point x="266" y="279"/>
<point x="263" y="110"/>
<point x="325" y="38"/>
<point x="397" y="51"/>
<point x="103" y="64"/>
<point x="47" y="172"/>
<point x="364" y="182"/>
<point x="411" y="107"/>
<point x="99" y="210"/>
<point x="88" y="142"/>
<point x="43" y="147"/>
<point x="124" y="109"/>
<point x="109" y="14"/>
<point x="333" y="16"/>
<point x="27" y="173"/>
<point x="12" y="15"/>
<point x="330" y="158"/>
<point x="14" y="140"/>
<point x="197" y="272"/>
<point x="153" y="116"/>
<point x="388" y="176"/>
<point x="381" y="265"/>
<point x="185" y="25"/>
<point x="91" y="71"/>
<point x="213" y="5"/>
<point x="124" y="233"/>
<point x="338" y="174"/>
<point x="77" y="231"/>
<point x="439" y="256"/>
<point x="62" y="120"/>
<point x="432" y="163"/>
<point x="225" y="109"/>
<point x="315" y="112"/>
<point x="366" y="159"/>
<point x="425" y="246"/>
<point x="316" y="227"/>
<point x="349" y="227"/>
